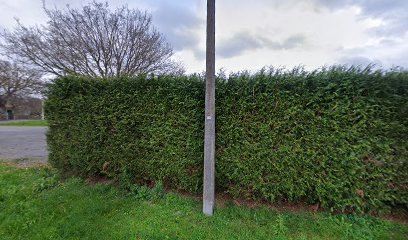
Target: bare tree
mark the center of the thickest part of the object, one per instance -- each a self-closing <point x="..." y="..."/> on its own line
<point x="18" y="81"/>
<point x="93" y="41"/>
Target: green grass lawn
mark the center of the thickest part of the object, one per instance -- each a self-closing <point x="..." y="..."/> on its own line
<point x="34" y="123"/>
<point x="34" y="204"/>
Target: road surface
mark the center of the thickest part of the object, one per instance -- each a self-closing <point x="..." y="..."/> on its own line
<point x="23" y="143"/>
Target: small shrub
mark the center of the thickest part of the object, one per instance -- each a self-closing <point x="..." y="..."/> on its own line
<point x="147" y="193"/>
<point x="49" y="178"/>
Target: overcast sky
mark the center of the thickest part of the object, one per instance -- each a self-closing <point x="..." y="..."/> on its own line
<point x="251" y="34"/>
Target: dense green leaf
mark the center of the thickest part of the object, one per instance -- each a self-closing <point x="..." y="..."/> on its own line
<point x="336" y="136"/>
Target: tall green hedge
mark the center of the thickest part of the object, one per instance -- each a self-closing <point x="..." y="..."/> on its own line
<point x="337" y="136"/>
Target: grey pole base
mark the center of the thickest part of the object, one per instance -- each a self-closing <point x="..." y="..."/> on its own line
<point x="208" y="208"/>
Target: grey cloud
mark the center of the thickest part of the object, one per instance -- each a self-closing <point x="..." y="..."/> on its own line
<point x="393" y="12"/>
<point x="359" y="61"/>
<point x="379" y="55"/>
<point x="199" y="54"/>
<point x="176" y="21"/>
<point x="334" y="4"/>
<point x="395" y="15"/>
<point x="294" y="42"/>
<point x="291" y="42"/>
<point x="400" y="61"/>
<point x="370" y="7"/>
<point x="383" y="7"/>
<point x="237" y="44"/>
<point x="244" y="41"/>
<point x="396" y="26"/>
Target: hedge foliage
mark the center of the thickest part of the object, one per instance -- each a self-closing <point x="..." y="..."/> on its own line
<point x="336" y="136"/>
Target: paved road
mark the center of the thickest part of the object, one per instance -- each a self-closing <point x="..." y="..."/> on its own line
<point x="23" y="143"/>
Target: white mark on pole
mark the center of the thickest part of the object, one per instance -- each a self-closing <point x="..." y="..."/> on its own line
<point x="209" y="117"/>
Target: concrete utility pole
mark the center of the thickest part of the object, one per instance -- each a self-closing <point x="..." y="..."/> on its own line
<point x="209" y="138"/>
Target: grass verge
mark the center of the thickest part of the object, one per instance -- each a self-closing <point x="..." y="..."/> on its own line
<point x="35" y="204"/>
<point x="34" y="123"/>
